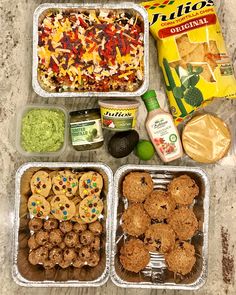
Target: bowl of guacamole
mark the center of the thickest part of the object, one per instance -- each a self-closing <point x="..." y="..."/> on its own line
<point x="43" y="130"/>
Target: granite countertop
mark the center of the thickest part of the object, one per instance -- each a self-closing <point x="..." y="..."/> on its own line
<point x="16" y="91"/>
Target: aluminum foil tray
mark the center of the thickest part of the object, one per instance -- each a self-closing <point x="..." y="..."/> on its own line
<point x="156" y="275"/>
<point x="28" y="275"/>
<point x="126" y="6"/>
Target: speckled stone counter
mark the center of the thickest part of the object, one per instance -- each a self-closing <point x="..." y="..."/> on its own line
<point x="16" y="90"/>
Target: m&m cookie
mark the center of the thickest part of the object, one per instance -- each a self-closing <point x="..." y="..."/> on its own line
<point x="38" y="206"/>
<point x="65" y="183"/>
<point x="90" y="184"/>
<point x="90" y="209"/>
<point x="41" y="183"/>
<point x="62" y="208"/>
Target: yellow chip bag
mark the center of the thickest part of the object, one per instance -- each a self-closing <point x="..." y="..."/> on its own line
<point x="192" y="53"/>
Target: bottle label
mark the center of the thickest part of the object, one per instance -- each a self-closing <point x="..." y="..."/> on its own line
<point x="120" y="120"/>
<point x="164" y="136"/>
<point x="86" y="132"/>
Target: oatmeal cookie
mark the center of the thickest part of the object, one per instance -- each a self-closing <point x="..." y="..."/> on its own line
<point x="182" y="258"/>
<point x="134" y="256"/>
<point x="159" y="205"/>
<point x="184" y="223"/>
<point x="137" y="186"/>
<point x="183" y="190"/>
<point x="135" y="220"/>
<point x="160" y="238"/>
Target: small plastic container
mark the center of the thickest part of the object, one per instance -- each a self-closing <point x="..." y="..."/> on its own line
<point x="119" y="115"/>
<point x="22" y="112"/>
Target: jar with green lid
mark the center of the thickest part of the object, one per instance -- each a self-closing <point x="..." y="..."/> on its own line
<point x="86" y="129"/>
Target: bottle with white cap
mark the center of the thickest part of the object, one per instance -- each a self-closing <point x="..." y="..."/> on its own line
<point x="161" y="129"/>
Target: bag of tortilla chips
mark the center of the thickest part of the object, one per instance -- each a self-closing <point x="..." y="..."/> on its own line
<point x="192" y="53"/>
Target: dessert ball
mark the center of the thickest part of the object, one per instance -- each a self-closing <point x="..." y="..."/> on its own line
<point x="137" y="186"/>
<point x="160" y="238"/>
<point x="94" y="259"/>
<point x="95" y="228"/>
<point x="134" y="256"/>
<point x="135" y="220"/>
<point x="84" y="253"/>
<point x="182" y="259"/>
<point x="159" y="205"/>
<point x="32" y="243"/>
<point x="79" y="227"/>
<point x="78" y="263"/>
<point x="49" y="264"/>
<point x="56" y="237"/>
<point x="66" y="226"/>
<point x="69" y="254"/>
<point x="96" y="244"/>
<point x="71" y="239"/>
<point x="183" y="190"/>
<point x="42" y="237"/>
<point x="50" y="224"/>
<point x="184" y="223"/>
<point x="87" y="237"/>
<point x="56" y="255"/>
<point x="35" y="224"/>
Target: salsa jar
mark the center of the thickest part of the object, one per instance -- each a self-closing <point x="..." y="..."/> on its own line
<point x="86" y="129"/>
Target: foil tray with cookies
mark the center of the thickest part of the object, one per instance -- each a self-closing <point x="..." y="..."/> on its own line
<point x="62" y="224"/>
<point x="160" y="227"/>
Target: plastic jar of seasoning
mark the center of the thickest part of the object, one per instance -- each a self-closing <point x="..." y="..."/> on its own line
<point x="86" y="129"/>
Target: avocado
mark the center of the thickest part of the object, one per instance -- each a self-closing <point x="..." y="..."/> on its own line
<point x="123" y="143"/>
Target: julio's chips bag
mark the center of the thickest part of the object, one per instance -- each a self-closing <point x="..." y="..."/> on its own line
<point x="192" y="53"/>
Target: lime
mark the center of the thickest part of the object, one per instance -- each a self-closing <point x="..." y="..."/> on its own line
<point x="144" y="150"/>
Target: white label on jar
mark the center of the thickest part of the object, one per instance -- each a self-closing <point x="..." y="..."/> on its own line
<point x="164" y="136"/>
<point x="86" y="132"/>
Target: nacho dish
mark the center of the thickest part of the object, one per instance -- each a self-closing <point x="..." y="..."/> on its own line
<point x="90" y="51"/>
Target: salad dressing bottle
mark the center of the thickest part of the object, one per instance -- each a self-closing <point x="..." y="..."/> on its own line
<point x="161" y="129"/>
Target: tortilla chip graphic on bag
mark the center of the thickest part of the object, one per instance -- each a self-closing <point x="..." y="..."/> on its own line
<point x="184" y="46"/>
<point x="197" y="55"/>
<point x="192" y="54"/>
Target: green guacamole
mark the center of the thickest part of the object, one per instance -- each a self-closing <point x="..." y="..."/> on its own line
<point x="43" y="130"/>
